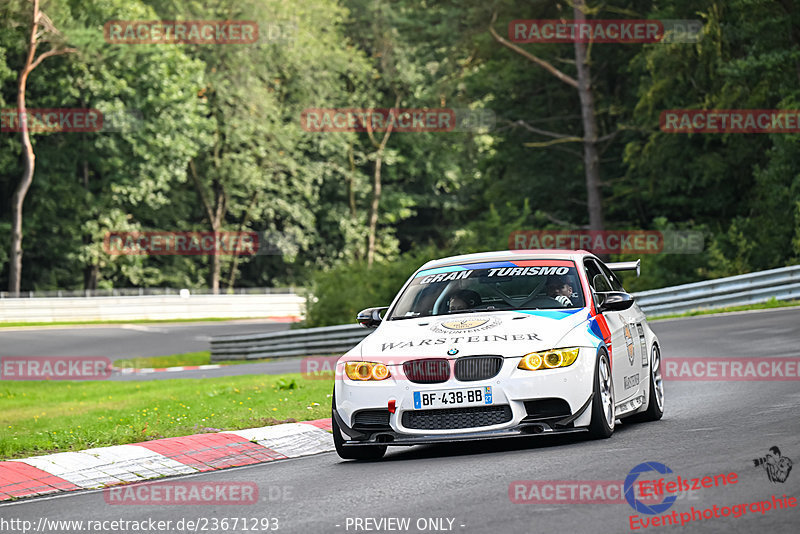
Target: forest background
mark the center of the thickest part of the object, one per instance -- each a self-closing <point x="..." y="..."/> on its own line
<point x="209" y="138"/>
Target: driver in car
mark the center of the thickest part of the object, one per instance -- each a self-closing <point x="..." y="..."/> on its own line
<point x="464" y="299"/>
<point x="560" y="289"/>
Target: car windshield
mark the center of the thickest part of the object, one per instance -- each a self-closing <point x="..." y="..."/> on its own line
<point x="518" y="285"/>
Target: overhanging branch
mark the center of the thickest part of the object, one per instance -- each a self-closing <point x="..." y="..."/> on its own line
<point x="554" y="142"/>
<point x="49" y="53"/>
<point x="527" y="55"/>
<point x="548" y="133"/>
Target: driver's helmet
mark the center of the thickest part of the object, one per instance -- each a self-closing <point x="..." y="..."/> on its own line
<point x="557" y="281"/>
<point x="470" y="297"/>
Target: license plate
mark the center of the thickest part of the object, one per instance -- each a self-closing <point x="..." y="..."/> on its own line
<point x="453" y="398"/>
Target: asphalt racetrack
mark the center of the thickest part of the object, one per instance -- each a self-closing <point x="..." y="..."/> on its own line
<point x="125" y="340"/>
<point x="709" y="428"/>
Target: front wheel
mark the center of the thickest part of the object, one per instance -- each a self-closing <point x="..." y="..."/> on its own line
<point x="655" y="405"/>
<point x="354" y="452"/>
<point x="603" y="415"/>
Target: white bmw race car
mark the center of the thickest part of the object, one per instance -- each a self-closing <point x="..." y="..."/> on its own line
<point x="494" y="345"/>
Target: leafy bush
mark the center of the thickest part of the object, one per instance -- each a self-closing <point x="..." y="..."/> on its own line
<point x="339" y="293"/>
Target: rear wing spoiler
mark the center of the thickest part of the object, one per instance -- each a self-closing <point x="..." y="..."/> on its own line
<point x="626" y="266"/>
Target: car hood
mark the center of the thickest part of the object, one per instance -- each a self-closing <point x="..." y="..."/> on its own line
<point x="509" y="334"/>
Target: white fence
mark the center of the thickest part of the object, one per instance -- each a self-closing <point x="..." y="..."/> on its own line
<point x="783" y="284"/>
<point x="152" y="307"/>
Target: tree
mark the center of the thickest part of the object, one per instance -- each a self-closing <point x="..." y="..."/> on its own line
<point x="583" y="84"/>
<point x="41" y="27"/>
<point x="743" y="187"/>
<point x="416" y="65"/>
<point x="259" y="171"/>
<point x="377" y="38"/>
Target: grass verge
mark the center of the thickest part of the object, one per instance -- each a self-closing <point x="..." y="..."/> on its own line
<point x="42" y="417"/>
<point x="178" y="360"/>
<point x="768" y="305"/>
<point x="173" y="360"/>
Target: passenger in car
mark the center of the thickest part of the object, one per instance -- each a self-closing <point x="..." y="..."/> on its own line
<point x="560" y="289"/>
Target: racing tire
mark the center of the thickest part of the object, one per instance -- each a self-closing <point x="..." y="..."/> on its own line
<point x="354" y="452"/>
<point x="655" y="403"/>
<point x="603" y="416"/>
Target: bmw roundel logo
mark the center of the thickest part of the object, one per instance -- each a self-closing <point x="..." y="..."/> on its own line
<point x="452" y="352"/>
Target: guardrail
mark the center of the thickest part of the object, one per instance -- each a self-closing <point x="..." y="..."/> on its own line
<point x="783" y="284"/>
<point x="323" y="340"/>
<point x="752" y="288"/>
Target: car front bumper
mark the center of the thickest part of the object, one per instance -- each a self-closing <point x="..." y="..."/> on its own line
<point x="389" y="437"/>
<point x="512" y="387"/>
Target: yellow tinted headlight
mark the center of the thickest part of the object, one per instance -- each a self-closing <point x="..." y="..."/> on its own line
<point x="553" y="359"/>
<point x="531" y="362"/>
<point x="366" y="371"/>
<point x="549" y="359"/>
<point x="380" y="372"/>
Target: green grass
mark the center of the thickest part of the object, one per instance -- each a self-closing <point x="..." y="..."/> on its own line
<point x="41" y="417"/>
<point x="768" y="305"/>
<point x="178" y="360"/>
<point x="134" y="321"/>
<point x="173" y="360"/>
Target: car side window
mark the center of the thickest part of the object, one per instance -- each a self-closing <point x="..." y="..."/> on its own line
<point x="596" y="277"/>
<point x="615" y="283"/>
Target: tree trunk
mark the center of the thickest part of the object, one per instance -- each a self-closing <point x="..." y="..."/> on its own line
<point x="90" y="275"/>
<point x="219" y="215"/>
<point x="373" y="207"/>
<point x="376" y="187"/>
<point x="591" y="159"/>
<point x="215" y="216"/>
<point x="91" y="272"/>
<point x="351" y="194"/>
<point x="242" y="227"/>
<point x="215" y="268"/>
<point x="29" y="160"/>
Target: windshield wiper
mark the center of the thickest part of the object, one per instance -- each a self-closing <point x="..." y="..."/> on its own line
<point x="468" y="310"/>
<point x="402" y="317"/>
<point x="450" y="312"/>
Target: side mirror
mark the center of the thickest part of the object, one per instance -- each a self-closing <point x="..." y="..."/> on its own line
<point x="614" y="301"/>
<point x="371" y="317"/>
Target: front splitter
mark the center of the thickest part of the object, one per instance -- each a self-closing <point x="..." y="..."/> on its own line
<point x="520" y="431"/>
